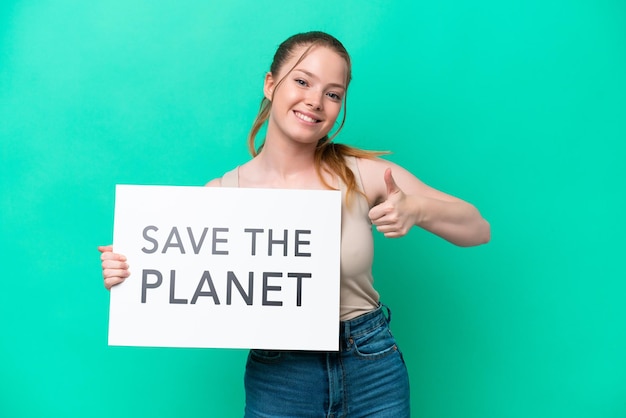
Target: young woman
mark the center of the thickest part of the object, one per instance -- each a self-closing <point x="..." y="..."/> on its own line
<point x="304" y="92"/>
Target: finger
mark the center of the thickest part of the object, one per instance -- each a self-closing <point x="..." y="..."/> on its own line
<point x="113" y="281"/>
<point x="114" y="264"/>
<point x="384" y="222"/>
<point x="376" y="214"/>
<point x="383" y="214"/>
<point x="386" y="227"/>
<point x="110" y="273"/>
<point x="105" y="248"/>
<point x="392" y="187"/>
<point x="391" y="231"/>
<point x="112" y="256"/>
<point x="387" y="231"/>
<point x="380" y="215"/>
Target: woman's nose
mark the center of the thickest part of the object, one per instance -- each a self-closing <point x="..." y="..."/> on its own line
<point x="314" y="100"/>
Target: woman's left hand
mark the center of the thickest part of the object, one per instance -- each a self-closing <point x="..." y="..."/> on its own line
<point x="394" y="217"/>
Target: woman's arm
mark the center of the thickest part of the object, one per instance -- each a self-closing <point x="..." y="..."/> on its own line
<point x="399" y="200"/>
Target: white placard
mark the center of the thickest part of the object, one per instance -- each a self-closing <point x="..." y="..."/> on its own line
<point x="227" y="268"/>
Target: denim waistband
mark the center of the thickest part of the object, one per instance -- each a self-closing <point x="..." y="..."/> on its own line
<point x="365" y="323"/>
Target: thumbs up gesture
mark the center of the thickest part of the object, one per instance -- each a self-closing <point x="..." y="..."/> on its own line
<point x="393" y="217"/>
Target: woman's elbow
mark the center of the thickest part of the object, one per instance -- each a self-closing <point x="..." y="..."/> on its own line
<point x="480" y="235"/>
<point x="486" y="233"/>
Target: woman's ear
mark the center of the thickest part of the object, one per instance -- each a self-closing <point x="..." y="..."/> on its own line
<point x="268" y="86"/>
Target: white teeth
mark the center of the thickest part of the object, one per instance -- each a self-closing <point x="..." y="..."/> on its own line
<point x="305" y="117"/>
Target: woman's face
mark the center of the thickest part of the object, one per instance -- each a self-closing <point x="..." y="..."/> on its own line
<point x="307" y="102"/>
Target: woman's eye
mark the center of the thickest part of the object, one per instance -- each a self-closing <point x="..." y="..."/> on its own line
<point x="334" y="96"/>
<point x="300" y="81"/>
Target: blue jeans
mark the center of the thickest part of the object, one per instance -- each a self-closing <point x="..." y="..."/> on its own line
<point x="366" y="378"/>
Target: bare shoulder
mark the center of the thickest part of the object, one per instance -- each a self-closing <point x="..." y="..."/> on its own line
<point x="369" y="166"/>
<point x="214" y="183"/>
<point x="227" y="178"/>
<point x="372" y="174"/>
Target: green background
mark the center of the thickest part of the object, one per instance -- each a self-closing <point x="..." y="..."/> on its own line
<point x="517" y="106"/>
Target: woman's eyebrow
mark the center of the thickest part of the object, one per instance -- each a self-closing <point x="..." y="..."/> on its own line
<point x="341" y="86"/>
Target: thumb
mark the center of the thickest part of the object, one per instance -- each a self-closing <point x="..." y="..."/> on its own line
<point x="105" y="248"/>
<point x="392" y="187"/>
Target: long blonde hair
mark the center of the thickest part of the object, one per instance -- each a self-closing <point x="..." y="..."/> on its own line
<point x="328" y="154"/>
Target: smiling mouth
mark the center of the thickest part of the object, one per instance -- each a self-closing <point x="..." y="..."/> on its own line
<point x="305" y="117"/>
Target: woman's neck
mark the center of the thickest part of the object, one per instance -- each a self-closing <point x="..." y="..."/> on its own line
<point x="286" y="162"/>
<point x="282" y="166"/>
